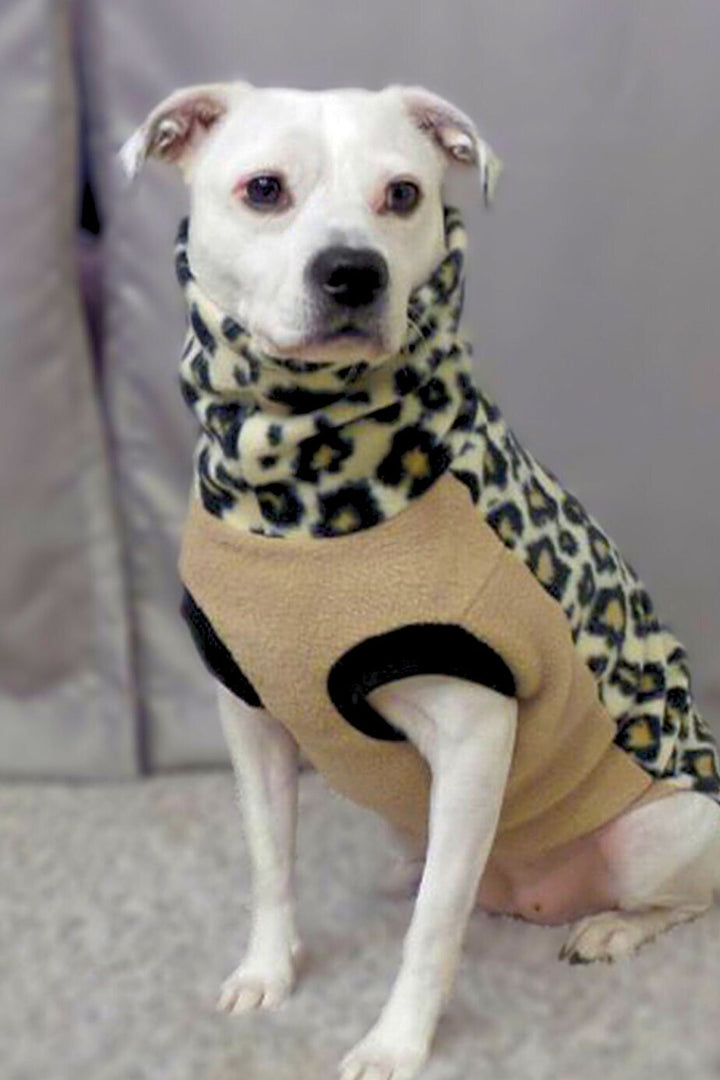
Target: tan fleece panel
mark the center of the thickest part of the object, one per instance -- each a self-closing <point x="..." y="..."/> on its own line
<point x="289" y="609"/>
<point x="567" y="777"/>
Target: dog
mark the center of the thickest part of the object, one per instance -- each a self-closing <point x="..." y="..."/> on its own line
<point x="378" y="573"/>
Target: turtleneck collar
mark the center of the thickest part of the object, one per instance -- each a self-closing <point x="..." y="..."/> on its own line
<point x="292" y="448"/>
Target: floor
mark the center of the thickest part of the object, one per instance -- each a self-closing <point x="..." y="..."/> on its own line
<point x="122" y="907"/>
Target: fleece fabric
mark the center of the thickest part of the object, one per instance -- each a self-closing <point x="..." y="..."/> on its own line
<point x="289" y="631"/>
<point x="368" y="470"/>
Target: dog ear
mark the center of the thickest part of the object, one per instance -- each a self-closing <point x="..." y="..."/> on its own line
<point x="455" y="134"/>
<point x="178" y="126"/>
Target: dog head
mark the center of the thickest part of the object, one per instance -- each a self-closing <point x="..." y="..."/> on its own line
<point x="314" y="214"/>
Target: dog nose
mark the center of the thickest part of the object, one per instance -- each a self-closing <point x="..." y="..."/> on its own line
<point x="352" y="277"/>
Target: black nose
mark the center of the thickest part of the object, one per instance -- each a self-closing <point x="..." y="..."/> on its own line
<point x="352" y="277"/>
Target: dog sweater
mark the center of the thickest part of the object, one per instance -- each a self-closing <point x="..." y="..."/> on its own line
<point x="354" y="524"/>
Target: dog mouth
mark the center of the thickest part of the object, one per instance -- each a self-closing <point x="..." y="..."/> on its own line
<point x="339" y="343"/>
<point x="349" y="330"/>
<point x="348" y="334"/>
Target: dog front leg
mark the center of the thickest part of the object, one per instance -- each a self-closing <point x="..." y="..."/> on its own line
<point x="466" y="732"/>
<point x="265" y="759"/>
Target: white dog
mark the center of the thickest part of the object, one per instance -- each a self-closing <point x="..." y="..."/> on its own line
<point x="443" y="629"/>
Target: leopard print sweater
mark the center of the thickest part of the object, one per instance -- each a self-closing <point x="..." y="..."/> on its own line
<point x="295" y="449"/>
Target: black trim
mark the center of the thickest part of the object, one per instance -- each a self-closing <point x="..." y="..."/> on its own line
<point x="217" y="657"/>
<point x="417" y="649"/>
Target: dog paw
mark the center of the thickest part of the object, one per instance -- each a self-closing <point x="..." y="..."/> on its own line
<point x="259" y="984"/>
<point x="381" y="1058"/>
<point x="609" y="937"/>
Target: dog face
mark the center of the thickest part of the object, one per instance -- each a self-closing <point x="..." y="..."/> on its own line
<point x="314" y="214"/>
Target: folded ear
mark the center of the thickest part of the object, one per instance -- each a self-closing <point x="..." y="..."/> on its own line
<point x="455" y="134"/>
<point x="178" y="126"/>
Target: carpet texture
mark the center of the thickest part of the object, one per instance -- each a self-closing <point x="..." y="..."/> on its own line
<point x="124" y="905"/>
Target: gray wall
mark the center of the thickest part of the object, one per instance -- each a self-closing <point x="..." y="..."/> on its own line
<point x="67" y="702"/>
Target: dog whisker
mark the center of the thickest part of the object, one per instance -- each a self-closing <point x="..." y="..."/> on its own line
<point x="412" y="325"/>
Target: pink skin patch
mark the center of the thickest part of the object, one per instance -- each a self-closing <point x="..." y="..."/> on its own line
<point x="560" y="887"/>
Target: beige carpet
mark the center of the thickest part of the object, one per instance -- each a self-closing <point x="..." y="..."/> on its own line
<point x="122" y="907"/>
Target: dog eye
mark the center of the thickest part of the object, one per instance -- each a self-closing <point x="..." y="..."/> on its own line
<point x="402" y="196"/>
<point x="265" y="192"/>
